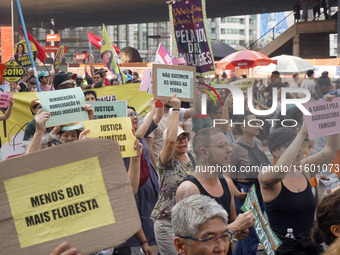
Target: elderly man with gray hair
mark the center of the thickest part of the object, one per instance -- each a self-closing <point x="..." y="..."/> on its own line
<point x="200" y="226"/>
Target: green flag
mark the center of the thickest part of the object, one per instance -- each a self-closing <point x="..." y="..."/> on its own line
<point x="265" y="234"/>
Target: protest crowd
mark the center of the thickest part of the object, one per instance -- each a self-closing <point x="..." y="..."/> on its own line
<point x="204" y="183"/>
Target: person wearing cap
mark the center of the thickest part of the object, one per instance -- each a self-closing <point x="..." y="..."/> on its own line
<point x="35" y="106"/>
<point x="106" y="80"/>
<point x="64" y="80"/>
<point x="69" y="133"/>
<point x="43" y="77"/>
<point x="286" y="188"/>
<point x="129" y="78"/>
<point x="173" y="166"/>
<point x="79" y="81"/>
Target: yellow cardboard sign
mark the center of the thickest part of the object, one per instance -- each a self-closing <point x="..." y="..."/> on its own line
<point x="118" y="129"/>
<point x="59" y="202"/>
<point x="244" y="84"/>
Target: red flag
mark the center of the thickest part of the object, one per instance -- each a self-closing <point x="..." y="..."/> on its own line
<point x="96" y="41"/>
<point x="41" y="52"/>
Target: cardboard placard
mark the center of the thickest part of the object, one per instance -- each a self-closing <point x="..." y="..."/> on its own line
<point x="106" y="110"/>
<point x="4" y="99"/>
<point x="169" y="80"/>
<point x="243" y="84"/>
<point x="13" y="71"/>
<point x="21" y="53"/>
<point x="325" y="118"/>
<point x="117" y="129"/>
<point x="265" y="234"/>
<point x="46" y="198"/>
<point x="64" y="106"/>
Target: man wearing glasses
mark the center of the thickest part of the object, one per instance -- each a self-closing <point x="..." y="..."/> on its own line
<point x="200" y="226"/>
<point x="213" y="151"/>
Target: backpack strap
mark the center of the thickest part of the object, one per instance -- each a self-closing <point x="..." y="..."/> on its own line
<point x="192" y="159"/>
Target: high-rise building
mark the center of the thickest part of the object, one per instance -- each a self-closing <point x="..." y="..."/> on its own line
<point x="237" y="31"/>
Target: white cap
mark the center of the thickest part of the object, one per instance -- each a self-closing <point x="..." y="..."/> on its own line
<point x="179" y="132"/>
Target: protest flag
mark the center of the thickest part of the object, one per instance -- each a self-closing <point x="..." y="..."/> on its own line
<point x="96" y="41"/>
<point x="163" y="56"/>
<point x="41" y="52"/>
<point x="108" y="56"/>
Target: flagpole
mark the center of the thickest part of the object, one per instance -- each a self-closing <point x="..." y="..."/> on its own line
<point x="28" y="45"/>
<point x="90" y="48"/>
<point x="47" y="69"/>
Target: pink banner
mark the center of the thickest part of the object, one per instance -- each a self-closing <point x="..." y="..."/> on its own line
<point x="325" y="118"/>
<point x="4" y="99"/>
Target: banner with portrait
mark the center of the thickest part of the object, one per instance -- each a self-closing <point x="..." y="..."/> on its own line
<point x="108" y="55"/>
<point x="21" y="54"/>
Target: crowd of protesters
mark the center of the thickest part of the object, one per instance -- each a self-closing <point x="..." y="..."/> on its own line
<point x="185" y="205"/>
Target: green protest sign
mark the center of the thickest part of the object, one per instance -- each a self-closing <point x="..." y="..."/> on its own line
<point x="265" y="234"/>
<point x="13" y="71"/>
<point x="64" y="106"/>
<point x="109" y="109"/>
<point x="169" y="80"/>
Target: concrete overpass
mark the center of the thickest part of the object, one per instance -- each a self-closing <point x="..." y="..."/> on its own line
<point x="79" y="13"/>
<point x="303" y="39"/>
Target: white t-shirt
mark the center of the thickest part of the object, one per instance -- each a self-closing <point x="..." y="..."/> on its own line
<point x="308" y="84"/>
